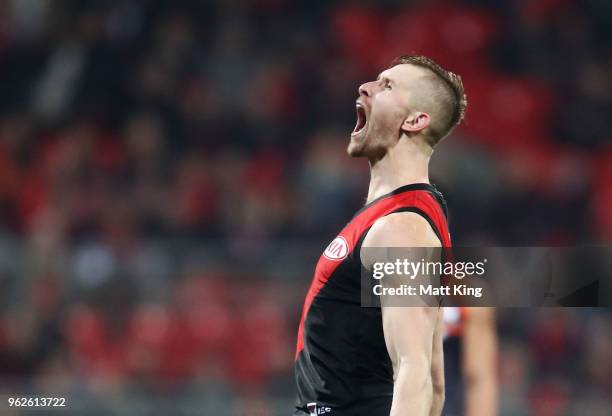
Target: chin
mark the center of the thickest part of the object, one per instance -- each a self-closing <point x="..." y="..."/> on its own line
<point x="355" y="149"/>
<point x="357" y="146"/>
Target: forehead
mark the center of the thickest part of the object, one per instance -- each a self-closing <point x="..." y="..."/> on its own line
<point x="403" y="74"/>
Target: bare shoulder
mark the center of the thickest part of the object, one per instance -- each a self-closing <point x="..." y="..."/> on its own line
<point x="401" y="229"/>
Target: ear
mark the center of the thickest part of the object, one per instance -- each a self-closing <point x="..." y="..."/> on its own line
<point x="416" y="122"/>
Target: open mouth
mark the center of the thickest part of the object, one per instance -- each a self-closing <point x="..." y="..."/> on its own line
<point x="361" y="119"/>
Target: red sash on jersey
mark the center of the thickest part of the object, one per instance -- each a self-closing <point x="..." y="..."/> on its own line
<point x="417" y="198"/>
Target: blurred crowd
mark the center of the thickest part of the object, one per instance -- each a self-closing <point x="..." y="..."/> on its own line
<point x="169" y="170"/>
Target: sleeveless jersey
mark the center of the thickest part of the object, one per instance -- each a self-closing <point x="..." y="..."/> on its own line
<point x="342" y="366"/>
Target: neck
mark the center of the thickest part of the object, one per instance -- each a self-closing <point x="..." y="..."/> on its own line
<point x="404" y="164"/>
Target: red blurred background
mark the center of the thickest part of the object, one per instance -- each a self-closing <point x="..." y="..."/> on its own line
<point x="169" y="172"/>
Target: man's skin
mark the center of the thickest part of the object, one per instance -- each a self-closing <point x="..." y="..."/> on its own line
<point x="399" y="114"/>
<point x="413" y="334"/>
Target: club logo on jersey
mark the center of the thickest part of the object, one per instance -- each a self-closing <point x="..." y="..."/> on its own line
<point x="318" y="410"/>
<point x="337" y="249"/>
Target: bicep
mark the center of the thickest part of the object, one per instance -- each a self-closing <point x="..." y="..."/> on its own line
<point x="409" y="333"/>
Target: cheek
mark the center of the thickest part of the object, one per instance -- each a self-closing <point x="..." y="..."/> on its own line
<point x="388" y="113"/>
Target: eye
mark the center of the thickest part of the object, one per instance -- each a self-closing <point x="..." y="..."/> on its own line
<point x="387" y="85"/>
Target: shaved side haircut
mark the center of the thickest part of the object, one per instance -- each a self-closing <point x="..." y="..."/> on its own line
<point x="443" y="96"/>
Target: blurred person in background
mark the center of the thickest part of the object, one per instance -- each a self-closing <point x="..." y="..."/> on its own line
<point x="353" y="360"/>
<point x="470" y="361"/>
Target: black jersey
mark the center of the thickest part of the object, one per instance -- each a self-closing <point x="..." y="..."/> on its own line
<point x="342" y="366"/>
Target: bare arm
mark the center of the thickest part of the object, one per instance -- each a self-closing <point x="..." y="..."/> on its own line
<point x="479" y="362"/>
<point x="409" y="332"/>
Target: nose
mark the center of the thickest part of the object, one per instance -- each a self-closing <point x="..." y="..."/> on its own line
<point x="366" y="89"/>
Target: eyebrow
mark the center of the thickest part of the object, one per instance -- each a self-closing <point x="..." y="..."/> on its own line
<point x="386" y="78"/>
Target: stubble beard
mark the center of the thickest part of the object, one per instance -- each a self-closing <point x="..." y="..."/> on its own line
<point x="370" y="146"/>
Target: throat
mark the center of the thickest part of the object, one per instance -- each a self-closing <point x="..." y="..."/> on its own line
<point x="386" y="176"/>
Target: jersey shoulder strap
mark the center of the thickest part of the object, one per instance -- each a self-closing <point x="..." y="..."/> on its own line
<point x="423" y="199"/>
